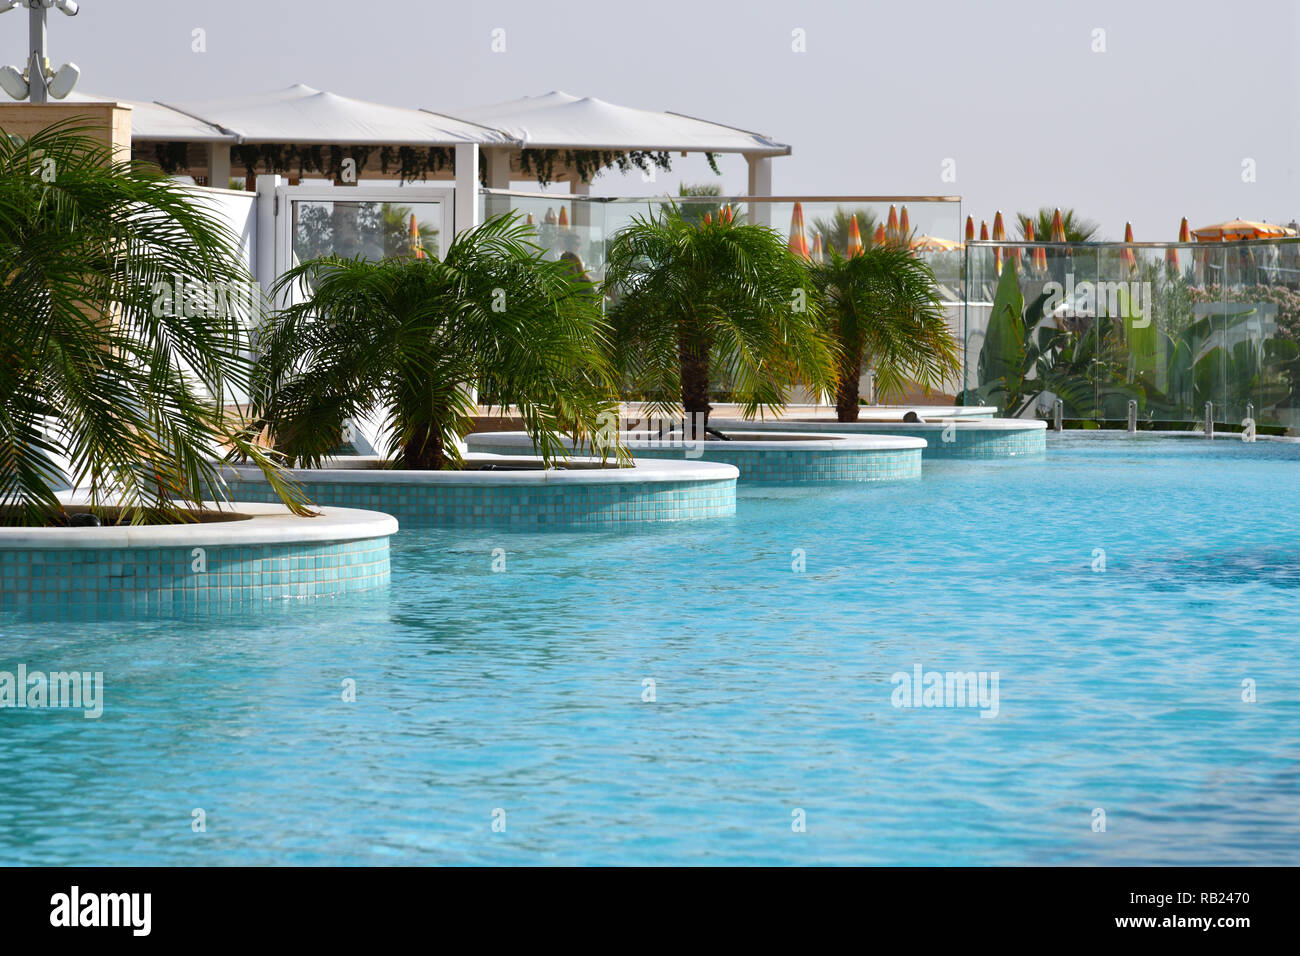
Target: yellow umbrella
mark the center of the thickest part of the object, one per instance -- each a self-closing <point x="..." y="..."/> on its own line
<point x="934" y="244"/>
<point x="1235" y="229"/>
<point x="413" y="231"/>
<point x="798" y="241"/>
<point x="855" y="238"/>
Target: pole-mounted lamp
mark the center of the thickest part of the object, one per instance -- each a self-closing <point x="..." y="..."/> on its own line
<point x="38" y="82"/>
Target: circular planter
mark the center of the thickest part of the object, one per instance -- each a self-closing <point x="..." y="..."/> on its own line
<point x="777" y="457"/>
<point x="517" y="492"/>
<point x="979" y="438"/>
<point x="260" y="552"/>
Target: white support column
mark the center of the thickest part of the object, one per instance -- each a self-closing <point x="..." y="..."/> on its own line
<point x="498" y="167"/>
<point x="467" y="213"/>
<point x="581" y="208"/>
<point x="219" y="165"/>
<point x="760" y="184"/>
<point x="267" y="233"/>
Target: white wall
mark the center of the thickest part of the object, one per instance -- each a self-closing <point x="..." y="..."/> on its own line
<point x="238" y="211"/>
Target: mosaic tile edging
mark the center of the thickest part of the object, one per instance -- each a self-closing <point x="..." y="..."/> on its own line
<point x="518" y="505"/>
<point x="168" y="578"/>
<point x="779" y="465"/>
<point x="970" y="438"/>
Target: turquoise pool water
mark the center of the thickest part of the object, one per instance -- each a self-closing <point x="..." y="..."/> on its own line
<point x="521" y="690"/>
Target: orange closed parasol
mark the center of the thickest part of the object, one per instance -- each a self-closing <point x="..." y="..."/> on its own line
<point x="413" y="231"/>
<point x="1171" y="254"/>
<point x="564" y="218"/>
<point x="904" y="224"/>
<point x="970" y="228"/>
<point x="891" y="227"/>
<point x="855" y="238"/>
<point x="798" y="241"/>
<point x="999" y="232"/>
<point x="1126" y="254"/>
<point x="817" y="247"/>
<point x="1058" y="227"/>
<point x="878" y="237"/>
<point x="1039" y="254"/>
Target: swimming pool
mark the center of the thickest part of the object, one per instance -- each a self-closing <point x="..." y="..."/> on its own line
<point x="521" y="690"/>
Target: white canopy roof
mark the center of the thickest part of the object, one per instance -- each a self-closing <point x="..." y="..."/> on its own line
<point x="301" y="114"/>
<point x="154" y="121"/>
<point x="557" y="120"/>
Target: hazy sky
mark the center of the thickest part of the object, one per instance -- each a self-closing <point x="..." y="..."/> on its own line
<point x="1155" y="127"/>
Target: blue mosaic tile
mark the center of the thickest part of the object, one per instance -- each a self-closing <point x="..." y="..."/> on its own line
<point x="985" y="443"/>
<point x="131" y="581"/>
<point x="569" y="505"/>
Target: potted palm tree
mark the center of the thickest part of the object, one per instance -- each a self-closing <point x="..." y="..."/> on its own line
<point x="697" y="303"/>
<point x="883" y="306"/>
<point x="406" y="337"/>
<point x="123" y="307"/>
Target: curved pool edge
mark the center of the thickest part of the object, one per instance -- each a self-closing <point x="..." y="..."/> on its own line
<point x="785" y="458"/>
<point x="269" y="554"/>
<point x="969" y="438"/>
<point x="574" y="498"/>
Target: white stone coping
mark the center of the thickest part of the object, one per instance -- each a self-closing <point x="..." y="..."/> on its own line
<point x="931" y="424"/>
<point x="262" y="524"/>
<point x="880" y="413"/>
<point x="364" y="469"/>
<point x="780" y="441"/>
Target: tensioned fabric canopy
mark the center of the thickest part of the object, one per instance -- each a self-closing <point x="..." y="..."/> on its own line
<point x="555" y="120"/>
<point x="152" y="121"/>
<point x="302" y="114"/>
<point x="559" y="120"/>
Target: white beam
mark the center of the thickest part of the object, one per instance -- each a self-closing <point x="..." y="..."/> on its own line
<point x="467" y="212"/>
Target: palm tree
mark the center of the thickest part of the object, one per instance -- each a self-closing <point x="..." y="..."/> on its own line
<point x="123" y="305"/>
<point x="1077" y="229"/>
<point x="717" y="300"/>
<point x="884" y="306"/>
<point x="405" y="336"/>
<point x="694" y="212"/>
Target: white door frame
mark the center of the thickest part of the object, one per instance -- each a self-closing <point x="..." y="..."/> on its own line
<point x="284" y="195"/>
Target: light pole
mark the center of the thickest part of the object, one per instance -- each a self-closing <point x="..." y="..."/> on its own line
<point x="38" y="82"/>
